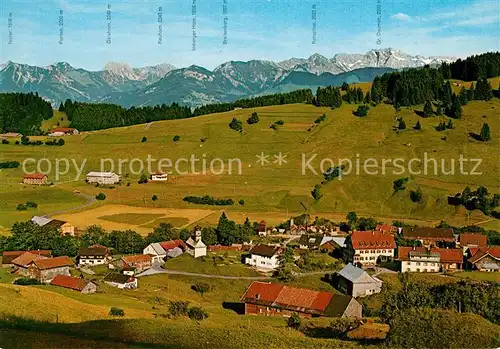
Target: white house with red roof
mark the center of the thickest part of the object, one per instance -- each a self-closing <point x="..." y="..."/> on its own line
<point x="63" y="131"/>
<point x="369" y="247"/>
<point x="429" y="260"/>
<point x="161" y="250"/>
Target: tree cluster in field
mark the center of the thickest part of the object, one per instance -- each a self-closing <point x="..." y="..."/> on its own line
<point x="253" y="119"/>
<point x="361" y="223"/>
<point x="236" y="125"/>
<point x="275" y="125"/>
<point x="362" y="111"/>
<point x="298" y="96"/>
<point x="28" y="204"/>
<point x="9" y="164"/>
<point x="114" y="311"/>
<point x="333" y="172"/>
<point x="481" y="298"/>
<point x="472" y="68"/>
<point x="442" y="126"/>
<point x="97" y="116"/>
<point x="329" y="96"/>
<point x="181" y="308"/>
<point x="320" y="119"/>
<point x="23" y="112"/>
<point x="26" y="141"/>
<point x="101" y="196"/>
<point x="208" y="200"/>
<point x="399" y="184"/>
<point x="354" y="96"/>
<point x="479" y="199"/>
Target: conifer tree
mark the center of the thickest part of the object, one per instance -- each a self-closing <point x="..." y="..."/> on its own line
<point x="455" y="111"/>
<point x="417" y="126"/>
<point x="61" y="107"/>
<point x="368" y="97"/>
<point x="485" y="134"/>
<point x="463" y="98"/>
<point x="402" y="124"/>
<point x="449" y="125"/>
<point x="428" y="111"/>
<point x="471" y="92"/>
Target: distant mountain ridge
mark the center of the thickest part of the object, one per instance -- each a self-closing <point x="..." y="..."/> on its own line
<point x="163" y="84"/>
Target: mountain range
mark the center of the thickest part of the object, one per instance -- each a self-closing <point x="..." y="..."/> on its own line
<point x="119" y="83"/>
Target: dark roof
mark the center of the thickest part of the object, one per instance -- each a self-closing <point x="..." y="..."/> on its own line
<point x="337" y="305"/>
<point x="265" y="250"/>
<point x="9" y="256"/>
<point x="428" y="233"/>
<point x="93" y="251"/>
<point x="56" y="223"/>
<point x="118" y="278"/>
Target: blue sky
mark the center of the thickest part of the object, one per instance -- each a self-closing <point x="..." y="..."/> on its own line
<point x="257" y="29"/>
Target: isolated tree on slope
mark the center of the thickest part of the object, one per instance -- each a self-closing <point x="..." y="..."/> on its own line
<point x="485" y="134"/>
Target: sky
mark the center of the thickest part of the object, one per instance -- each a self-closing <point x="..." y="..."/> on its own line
<point x="42" y="32"/>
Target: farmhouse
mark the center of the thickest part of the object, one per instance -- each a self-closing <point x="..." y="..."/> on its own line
<point x="102" y="177"/>
<point x="11" y="135"/>
<point x="196" y="247"/>
<point x="158" y="176"/>
<point x="430" y="236"/>
<point x="63" y="227"/>
<point x="264" y="257"/>
<point x="139" y="262"/>
<point x="121" y="281"/>
<point x="9" y="256"/>
<point x="63" y="131"/>
<point x="73" y="283"/>
<point x="35" y="179"/>
<point x="356" y="282"/>
<point x="387" y="228"/>
<point x="369" y="247"/>
<point x="472" y="240"/>
<point x="160" y="250"/>
<point x="94" y="255"/>
<point x="270" y="299"/>
<point x="429" y="260"/>
<point x="486" y="259"/>
<point x="41" y="268"/>
<point x="314" y="242"/>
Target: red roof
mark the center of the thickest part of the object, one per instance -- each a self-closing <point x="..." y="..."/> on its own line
<point x="372" y="240"/>
<point x="71" y="282"/>
<point x="35" y="176"/>
<point x="168" y="245"/>
<point x="50" y="263"/>
<point x="62" y="129"/>
<point x="139" y="258"/>
<point x="26" y="258"/>
<point x="446" y="255"/>
<point x="9" y="256"/>
<point x="472" y="239"/>
<point x="493" y="251"/>
<point x="386" y="228"/>
<point x="292" y="298"/>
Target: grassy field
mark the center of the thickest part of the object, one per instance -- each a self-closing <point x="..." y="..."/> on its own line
<point x="272" y="192"/>
<point x="58" y="120"/>
<point x="230" y="265"/>
<point x="479" y="275"/>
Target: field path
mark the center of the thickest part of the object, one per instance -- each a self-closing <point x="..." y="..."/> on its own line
<point x="90" y="201"/>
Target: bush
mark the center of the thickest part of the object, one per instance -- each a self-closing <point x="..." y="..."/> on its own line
<point x="144" y="139"/>
<point x="294" y="321"/>
<point x="177" y="138"/>
<point x="241" y="202"/>
<point x="201" y="287"/>
<point x="116" y="312"/>
<point x="101" y="196"/>
<point x="143" y="179"/>
<point x="279" y="122"/>
<point x="416" y="195"/>
<point x="208" y="200"/>
<point x="31" y="204"/>
<point x="274" y="127"/>
<point x="362" y="111"/>
<point x="61" y="142"/>
<point x="21" y="207"/>
<point x="26" y="282"/>
<point x="177" y="308"/>
<point x="9" y="164"/>
<point x="236" y="125"/>
<point x="4" y="141"/>
<point x="197" y="313"/>
<point x="340" y="326"/>
<point x="253" y="119"/>
<point x="154" y="197"/>
<point x="320" y="119"/>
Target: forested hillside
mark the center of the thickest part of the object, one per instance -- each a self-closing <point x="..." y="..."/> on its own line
<point x="23" y="112"/>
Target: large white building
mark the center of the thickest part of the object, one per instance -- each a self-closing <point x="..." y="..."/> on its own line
<point x="264" y="257"/>
<point x="429" y="260"/>
<point x="103" y="177"/>
<point x="196" y="247"/>
<point x="369" y="247"/>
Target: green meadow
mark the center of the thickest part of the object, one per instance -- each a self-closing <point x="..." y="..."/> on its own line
<point x="273" y="191"/>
